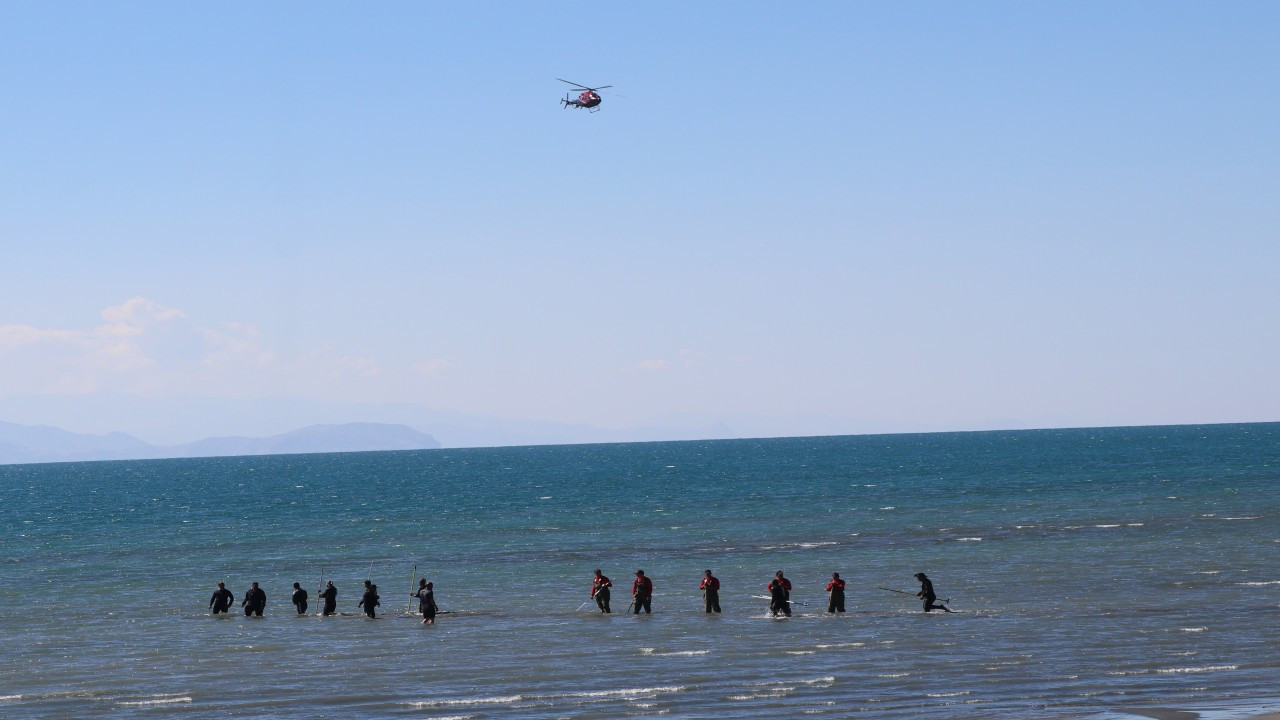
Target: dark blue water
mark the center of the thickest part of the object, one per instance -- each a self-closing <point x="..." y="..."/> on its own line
<point x="1094" y="570"/>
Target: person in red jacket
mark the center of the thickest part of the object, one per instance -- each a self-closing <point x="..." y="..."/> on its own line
<point x="835" y="589"/>
<point x="780" y="595"/>
<point x="600" y="591"/>
<point x="710" y="588"/>
<point x="641" y="593"/>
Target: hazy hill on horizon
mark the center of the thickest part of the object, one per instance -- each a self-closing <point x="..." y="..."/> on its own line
<point x="20" y="444"/>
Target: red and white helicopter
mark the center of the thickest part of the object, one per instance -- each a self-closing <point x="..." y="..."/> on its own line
<point x="589" y="98"/>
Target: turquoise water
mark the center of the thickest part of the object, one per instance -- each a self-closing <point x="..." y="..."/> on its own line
<point x="1094" y="570"/>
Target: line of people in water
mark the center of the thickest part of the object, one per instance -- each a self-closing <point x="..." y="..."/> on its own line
<point x="779" y="588"/>
<point x="254" y="601"/>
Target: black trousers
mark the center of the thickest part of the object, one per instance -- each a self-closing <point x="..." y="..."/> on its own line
<point x="642" y="601"/>
<point x="711" y="599"/>
<point x="602" y="600"/>
<point x="330" y="608"/>
<point x="302" y="607"/>
<point x="837" y="602"/>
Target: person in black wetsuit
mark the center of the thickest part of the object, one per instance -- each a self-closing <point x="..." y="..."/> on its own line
<point x="330" y="596"/>
<point x="300" y="599"/>
<point x="600" y="591"/>
<point x="426" y="602"/>
<point x="255" y="601"/>
<point x="370" y="599"/>
<point x="929" y="596"/>
<point x="779" y="595"/>
<point x="222" y="599"/>
<point x="642" y="593"/>
<point x="835" y="589"/>
<point x="710" y="587"/>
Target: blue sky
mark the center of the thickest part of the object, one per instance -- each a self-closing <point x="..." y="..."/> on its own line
<point x="836" y="217"/>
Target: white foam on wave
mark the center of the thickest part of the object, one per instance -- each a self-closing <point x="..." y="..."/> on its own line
<point x="4" y="698"/>
<point x="1107" y="526"/>
<point x="1207" y="572"/>
<point x="684" y="653"/>
<point x="816" y="544"/>
<point x="159" y="700"/>
<point x="492" y="700"/>
<point x="646" y="692"/>
<point x="894" y="675"/>
<point x="1259" y="583"/>
<point x="797" y="652"/>
<point x="950" y="694"/>
<point x="1193" y="629"/>
<point x="840" y="645"/>
<point x="624" y="693"/>
<point x="969" y="539"/>
<point x="1203" y="669"/>
<point x="1243" y="517"/>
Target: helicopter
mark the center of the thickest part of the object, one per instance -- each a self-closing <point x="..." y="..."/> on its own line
<point x="588" y="98"/>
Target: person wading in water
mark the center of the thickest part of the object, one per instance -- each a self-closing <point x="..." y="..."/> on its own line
<point x="929" y="596"/>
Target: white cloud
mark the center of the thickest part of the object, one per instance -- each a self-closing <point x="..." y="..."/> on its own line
<point x="433" y="366"/>
<point x="144" y="348"/>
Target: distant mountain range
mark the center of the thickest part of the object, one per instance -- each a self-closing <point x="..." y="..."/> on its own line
<point x="42" y="443"/>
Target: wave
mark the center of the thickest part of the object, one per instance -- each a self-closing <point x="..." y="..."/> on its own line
<point x="540" y="697"/>
<point x="674" y="653"/>
<point x="158" y="700"/>
<point x="494" y="700"/>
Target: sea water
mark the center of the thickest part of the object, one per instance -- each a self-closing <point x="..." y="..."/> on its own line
<point x="1092" y="571"/>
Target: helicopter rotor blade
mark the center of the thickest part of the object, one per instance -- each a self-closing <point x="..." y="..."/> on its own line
<point x="584" y="87"/>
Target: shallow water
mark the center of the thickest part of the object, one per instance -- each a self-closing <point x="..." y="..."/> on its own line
<point x="1093" y="570"/>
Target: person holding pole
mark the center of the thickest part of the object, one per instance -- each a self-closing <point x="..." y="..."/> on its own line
<point x="600" y="591"/>
<point x="710" y="588"/>
<point x="330" y="596"/>
<point x="779" y="595"/>
<point x="641" y="593"/>
<point x="929" y="596"/>
<point x="369" y="601"/>
<point x="426" y="602"/>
